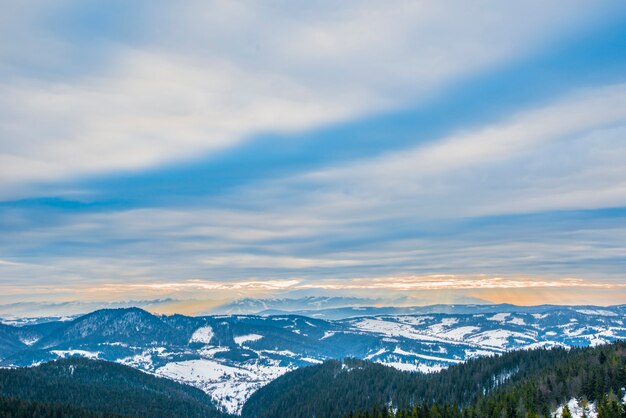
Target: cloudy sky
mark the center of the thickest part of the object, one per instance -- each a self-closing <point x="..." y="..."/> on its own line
<point x="447" y="151"/>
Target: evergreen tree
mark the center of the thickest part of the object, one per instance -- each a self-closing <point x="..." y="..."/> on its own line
<point x="566" y="412"/>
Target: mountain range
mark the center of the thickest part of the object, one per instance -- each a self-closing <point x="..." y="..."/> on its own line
<point x="231" y="356"/>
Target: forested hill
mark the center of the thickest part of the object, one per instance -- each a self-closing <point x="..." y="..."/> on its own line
<point x="79" y="387"/>
<point x="516" y="384"/>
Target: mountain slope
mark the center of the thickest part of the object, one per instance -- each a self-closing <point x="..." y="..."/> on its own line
<point x="104" y="387"/>
<point x="515" y="384"/>
<point x="9" y="341"/>
<point x="352" y="384"/>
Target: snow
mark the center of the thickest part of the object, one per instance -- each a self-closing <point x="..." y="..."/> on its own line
<point x="210" y="351"/>
<point x="517" y="321"/>
<point x="287" y="353"/>
<point x="138" y="361"/>
<point x="144" y="359"/>
<point x="600" y="312"/>
<point x="445" y="323"/>
<point x="500" y="317"/>
<point x="544" y="344"/>
<point x="401" y="352"/>
<point x="29" y="341"/>
<point x="239" y="340"/>
<point x="327" y="334"/>
<point x="458" y="333"/>
<point x="577" y="410"/>
<point x="312" y="360"/>
<point x="595" y="341"/>
<point x="411" y="367"/>
<point x="71" y="353"/>
<point x="372" y="355"/>
<point x="394" y="329"/>
<point x="229" y="386"/>
<point x="412" y="320"/>
<point x="498" y="338"/>
<point x="570" y="332"/>
<point x="202" y="335"/>
<point x="477" y="353"/>
<point x="116" y="344"/>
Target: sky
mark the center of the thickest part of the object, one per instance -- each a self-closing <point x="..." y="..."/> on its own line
<point x="210" y="150"/>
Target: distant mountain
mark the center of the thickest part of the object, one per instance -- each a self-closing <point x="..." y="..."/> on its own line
<point x="335" y="308"/>
<point x="91" y="387"/>
<point x="231" y="356"/>
<point x="345" y="312"/>
<point x="36" y="312"/>
<point x="248" y="306"/>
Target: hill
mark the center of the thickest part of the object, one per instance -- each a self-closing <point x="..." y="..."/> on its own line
<point x="99" y="388"/>
<point x="511" y="385"/>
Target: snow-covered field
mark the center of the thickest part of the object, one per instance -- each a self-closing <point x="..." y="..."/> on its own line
<point x="229" y="386"/>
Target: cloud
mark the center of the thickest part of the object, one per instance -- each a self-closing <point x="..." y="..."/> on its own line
<point x="86" y="91"/>
<point x="447" y="282"/>
<point x="504" y="198"/>
<point x="563" y="155"/>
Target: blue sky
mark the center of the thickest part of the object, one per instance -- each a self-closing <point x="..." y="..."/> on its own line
<point x="211" y="150"/>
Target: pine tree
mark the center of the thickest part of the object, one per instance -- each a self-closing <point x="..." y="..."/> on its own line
<point x="566" y="412"/>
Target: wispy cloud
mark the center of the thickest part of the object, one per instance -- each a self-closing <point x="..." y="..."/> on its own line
<point x="449" y="282"/>
<point x="410" y="289"/>
<point x="149" y="95"/>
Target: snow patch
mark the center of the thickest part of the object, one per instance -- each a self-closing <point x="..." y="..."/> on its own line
<point x="210" y="351"/>
<point x="577" y="409"/>
<point x="72" y="353"/>
<point x="202" y="335"/>
<point x="498" y="338"/>
<point x="458" y="333"/>
<point x="517" y="321"/>
<point x="327" y="334"/>
<point x="599" y="312"/>
<point x="401" y="352"/>
<point x="29" y="340"/>
<point x="239" y="340"/>
<point x="500" y="317"/>
<point x="411" y="367"/>
<point x="372" y="355"/>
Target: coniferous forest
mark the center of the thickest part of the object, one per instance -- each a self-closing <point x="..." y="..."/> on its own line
<point x="516" y="384"/>
<point x="79" y="387"/>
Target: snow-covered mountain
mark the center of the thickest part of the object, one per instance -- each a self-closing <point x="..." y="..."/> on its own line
<point x="247" y="306"/>
<point x="230" y="356"/>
